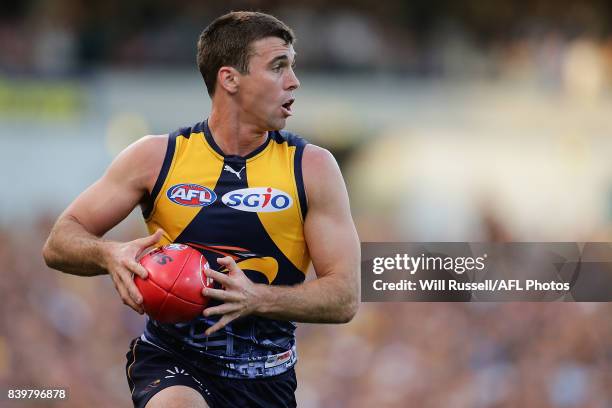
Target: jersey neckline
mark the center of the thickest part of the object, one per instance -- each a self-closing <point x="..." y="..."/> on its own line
<point x="211" y="142"/>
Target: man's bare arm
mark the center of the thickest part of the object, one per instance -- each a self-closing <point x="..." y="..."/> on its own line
<point x="334" y="248"/>
<point x="75" y="245"/>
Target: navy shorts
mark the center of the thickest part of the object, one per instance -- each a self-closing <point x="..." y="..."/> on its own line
<point x="150" y="369"/>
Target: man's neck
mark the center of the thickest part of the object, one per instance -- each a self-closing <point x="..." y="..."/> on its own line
<point x="233" y="136"/>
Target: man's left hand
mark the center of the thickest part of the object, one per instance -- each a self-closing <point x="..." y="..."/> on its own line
<point x="240" y="295"/>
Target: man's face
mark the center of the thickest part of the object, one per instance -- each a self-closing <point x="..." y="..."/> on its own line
<point x="266" y="91"/>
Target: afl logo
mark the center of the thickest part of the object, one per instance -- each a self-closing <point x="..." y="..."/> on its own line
<point x="258" y="199"/>
<point x="191" y="195"/>
<point x="176" y="247"/>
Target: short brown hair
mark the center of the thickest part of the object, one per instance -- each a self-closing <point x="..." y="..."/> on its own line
<point x="227" y="42"/>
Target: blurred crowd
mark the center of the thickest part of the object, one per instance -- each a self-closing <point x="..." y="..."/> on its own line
<point x="64" y="331"/>
<point x="545" y="41"/>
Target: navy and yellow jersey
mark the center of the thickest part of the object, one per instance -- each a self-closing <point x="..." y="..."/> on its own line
<point x="251" y="208"/>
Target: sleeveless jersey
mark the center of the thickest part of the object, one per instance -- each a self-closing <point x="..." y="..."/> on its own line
<point x="251" y="208"/>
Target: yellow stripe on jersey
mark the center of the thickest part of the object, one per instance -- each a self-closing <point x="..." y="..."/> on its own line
<point x="272" y="170"/>
<point x="194" y="163"/>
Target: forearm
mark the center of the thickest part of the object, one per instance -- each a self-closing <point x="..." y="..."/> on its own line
<point x="72" y="249"/>
<point x="324" y="300"/>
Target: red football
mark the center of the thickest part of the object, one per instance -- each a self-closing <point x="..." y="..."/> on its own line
<point x="172" y="292"/>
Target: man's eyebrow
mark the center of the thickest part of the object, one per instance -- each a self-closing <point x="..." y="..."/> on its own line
<point x="281" y="58"/>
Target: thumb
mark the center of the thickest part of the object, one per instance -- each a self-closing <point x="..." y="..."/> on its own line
<point x="151" y="240"/>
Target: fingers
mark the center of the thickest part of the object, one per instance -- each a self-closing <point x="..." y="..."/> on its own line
<point x="222" y="323"/>
<point x="218" y="277"/>
<point x="125" y="266"/>
<point x="137" y="269"/>
<point x="128" y="291"/>
<point x="220" y="294"/>
<point x="233" y="295"/>
<point x="221" y="309"/>
<point x="126" y="274"/>
<point x="229" y="263"/>
<point x="134" y="294"/>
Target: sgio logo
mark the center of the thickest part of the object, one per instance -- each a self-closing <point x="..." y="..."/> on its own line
<point x="258" y="199"/>
<point x="191" y="195"/>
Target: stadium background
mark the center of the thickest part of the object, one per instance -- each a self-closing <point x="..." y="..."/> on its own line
<point x="452" y="121"/>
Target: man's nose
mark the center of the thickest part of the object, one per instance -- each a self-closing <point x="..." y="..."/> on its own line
<point x="293" y="82"/>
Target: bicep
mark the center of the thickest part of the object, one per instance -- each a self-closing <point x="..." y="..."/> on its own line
<point x="104" y="204"/>
<point x="329" y="229"/>
<point x="122" y="187"/>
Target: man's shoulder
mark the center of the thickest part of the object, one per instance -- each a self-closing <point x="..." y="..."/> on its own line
<point x="146" y="146"/>
<point x="153" y="141"/>
<point x="141" y="160"/>
<point x="318" y="159"/>
<point x="313" y="155"/>
<point x="321" y="174"/>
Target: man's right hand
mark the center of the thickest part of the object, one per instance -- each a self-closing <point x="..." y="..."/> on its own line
<point x="121" y="262"/>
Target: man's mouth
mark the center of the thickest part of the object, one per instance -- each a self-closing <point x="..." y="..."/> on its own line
<point x="287" y="106"/>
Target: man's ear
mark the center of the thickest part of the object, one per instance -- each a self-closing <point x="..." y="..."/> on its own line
<point x="229" y="79"/>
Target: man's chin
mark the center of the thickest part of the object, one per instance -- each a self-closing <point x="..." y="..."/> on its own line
<point x="278" y="124"/>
